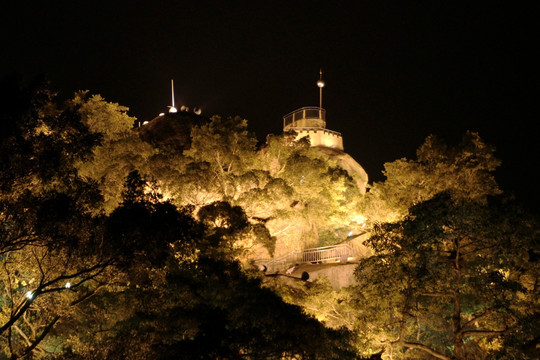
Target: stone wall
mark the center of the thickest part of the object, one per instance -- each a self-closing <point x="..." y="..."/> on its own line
<point x="339" y="275"/>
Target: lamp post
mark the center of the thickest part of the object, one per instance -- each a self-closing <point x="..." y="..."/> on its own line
<point x="320" y="84"/>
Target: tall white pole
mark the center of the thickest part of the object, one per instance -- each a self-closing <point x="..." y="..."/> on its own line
<point x="172" y="108"/>
<point x="172" y="91"/>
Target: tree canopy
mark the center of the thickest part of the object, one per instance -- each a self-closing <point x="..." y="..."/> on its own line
<point x="466" y="171"/>
<point x="454" y="280"/>
<point x="113" y="247"/>
<point x="454" y="269"/>
<point x="98" y="261"/>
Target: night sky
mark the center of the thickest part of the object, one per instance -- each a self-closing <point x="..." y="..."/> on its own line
<point x="395" y="72"/>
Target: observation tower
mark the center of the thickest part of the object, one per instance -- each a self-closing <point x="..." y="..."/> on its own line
<point x="310" y="122"/>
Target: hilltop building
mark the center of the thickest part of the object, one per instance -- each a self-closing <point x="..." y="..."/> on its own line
<point x="172" y="130"/>
<point x="311" y="122"/>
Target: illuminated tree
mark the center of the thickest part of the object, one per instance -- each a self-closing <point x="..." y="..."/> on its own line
<point x="121" y="150"/>
<point x="226" y="146"/>
<point x="455" y="279"/>
<point x="466" y="171"/>
<point x="227" y="227"/>
<point x="286" y="186"/>
<point x="216" y="167"/>
<point x="45" y="281"/>
<point x="334" y="308"/>
<point x="50" y="261"/>
<point x="80" y="282"/>
<point x="180" y="294"/>
<point x="315" y="201"/>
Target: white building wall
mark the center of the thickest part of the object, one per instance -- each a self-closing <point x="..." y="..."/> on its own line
<point x="321" y="137"/>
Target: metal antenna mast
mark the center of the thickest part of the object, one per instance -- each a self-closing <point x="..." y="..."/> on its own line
<point x="172" y="91"/>
<point x="172" y="108"/>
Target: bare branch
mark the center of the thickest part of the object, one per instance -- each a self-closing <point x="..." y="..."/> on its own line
<point x="39" y="267"/>
<point x="25" y="304"/>
<point x="484" y="332"/>
<point x="100" y="268"/>
<point x="23" y="335"/>
<point x="15" y="316"/>
<point x="425" y="348"/>
<point x="435" y="294"/>
<point x="44" y="333"/>
<point x="86" y="296"/>
<point x="477" y="317"/>
<point x="475" y="250"/>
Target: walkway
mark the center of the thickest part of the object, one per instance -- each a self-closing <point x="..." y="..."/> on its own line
<point x="341" y="253"/>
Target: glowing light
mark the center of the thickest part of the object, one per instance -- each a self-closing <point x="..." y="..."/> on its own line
<point x="360" y="220"/>
<point x="68" y="285"/>
<point x="165" y="195"/>
<point x="161" y="114"/>
<point x="172" y="109"/>
<point x="30" y="295"/>
<point x="146" y="122"/>
<point x="350" y="233"/>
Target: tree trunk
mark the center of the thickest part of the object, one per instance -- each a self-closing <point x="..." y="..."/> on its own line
<point x="456" y="317"/>
<point x="456" y="320"/>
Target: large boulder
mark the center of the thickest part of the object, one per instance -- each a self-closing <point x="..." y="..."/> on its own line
<point x="171" y="131"/>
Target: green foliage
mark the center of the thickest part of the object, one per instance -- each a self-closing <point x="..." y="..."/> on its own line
<point x="466" y="171"/>
<point x="40" y="151"/>
<point x="316" y="201"/>
<point x="293" y="190"/>
<point x="224" y="144"/>
<point x="228" y="228"/>
<point x="317" y="297"/>
<point x="50" y="259"/>
<point x="141" y="230"/>
<point x="208" y="310"/>
<point x="196" y="302"/>
<point x="142" y="279"/>
<point x="155" y="246"/>
<point x="121" y="150"/>
<point x="448" y="280"/>
<point x="108" y="119"/>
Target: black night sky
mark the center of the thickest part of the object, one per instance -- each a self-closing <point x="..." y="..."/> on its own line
<point x="395" y="72"/>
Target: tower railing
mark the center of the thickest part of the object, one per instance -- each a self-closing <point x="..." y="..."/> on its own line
<point x="327" y="254"/>
<point x="306" y="117"/>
